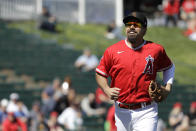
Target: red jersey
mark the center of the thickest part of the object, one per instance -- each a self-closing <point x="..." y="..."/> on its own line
<point x="14" y="126"/>
<point x="131" y="70"/>
<point x="172" y="9"/>
<point x="189" y="6"/>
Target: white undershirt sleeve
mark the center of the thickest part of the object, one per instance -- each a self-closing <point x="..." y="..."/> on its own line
<point x="168" y="75"/>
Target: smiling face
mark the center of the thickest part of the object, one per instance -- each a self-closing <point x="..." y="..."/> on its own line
<point x="134" y="31"/>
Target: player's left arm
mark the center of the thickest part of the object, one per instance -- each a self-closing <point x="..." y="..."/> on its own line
<point x="168" y="68"/>
<point x="168" y="78"/>
<point x="159" y="92"/>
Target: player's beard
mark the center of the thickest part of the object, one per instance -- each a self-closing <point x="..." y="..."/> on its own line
<point x="132" y="38"/>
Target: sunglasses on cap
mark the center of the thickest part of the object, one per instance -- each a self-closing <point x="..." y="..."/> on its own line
<point x="135" y="24"/>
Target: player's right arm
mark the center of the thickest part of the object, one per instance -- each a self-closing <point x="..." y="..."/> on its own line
<point x="102" y="72"/>
<point x="112" y="93"/>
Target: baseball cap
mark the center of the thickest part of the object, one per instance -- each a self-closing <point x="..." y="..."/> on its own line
<point x="177" y="105"/>
<point x="4" y="102"/>
<point x="14" y="96"/>
<point x="138" y="16"/>
<point x="193" y="104"/>
<point x="54" y="114"/>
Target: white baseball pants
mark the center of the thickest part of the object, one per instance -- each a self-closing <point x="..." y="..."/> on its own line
<point x="143" y="119"/>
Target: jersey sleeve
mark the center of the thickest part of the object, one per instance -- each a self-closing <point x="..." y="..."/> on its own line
<point x="104" y="64"/>
<point x="164" y="61"/>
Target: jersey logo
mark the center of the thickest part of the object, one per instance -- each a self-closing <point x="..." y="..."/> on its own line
<point x="149" y="65"/>
<point x="119" y="52"/>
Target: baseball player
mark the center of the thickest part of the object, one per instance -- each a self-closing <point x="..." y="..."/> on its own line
<point x="133" y="64"/>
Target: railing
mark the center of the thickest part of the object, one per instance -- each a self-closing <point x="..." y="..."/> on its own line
<point x="18" y="9"/>
<point x="78" y="11"/>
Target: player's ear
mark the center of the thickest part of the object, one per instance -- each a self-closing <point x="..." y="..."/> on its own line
<point x="125" y="30"/>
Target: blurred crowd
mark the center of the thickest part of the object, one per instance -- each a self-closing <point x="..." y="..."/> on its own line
<point x="185" y="10"/>
<point x="60" y="108"/>
<point x="181" y="121"/>
<point x="178" y="120"/>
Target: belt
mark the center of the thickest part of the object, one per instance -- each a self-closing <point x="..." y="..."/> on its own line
<point x="134" y="106"/>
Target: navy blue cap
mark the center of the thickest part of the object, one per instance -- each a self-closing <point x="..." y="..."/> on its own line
<point x="136" y="16"/>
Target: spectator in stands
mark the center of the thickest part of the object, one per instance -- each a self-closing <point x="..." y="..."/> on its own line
<point x="47" y="21"/>
<point x="52" y="88"/>
<point x="17" y="107"/>
<point x="52" y="122"/>
<point x="192" y="116"/>
<point x="177" y="119"/>
<point x="34" y="116"/>
<point x="114" y="32"/>
<point x="13" y="124"/>
<point x="87" y="61"/>
<point x="22" y="112"/>
<point x="109" y="32"/>
<point x="110" y="119"/>
<point x="50" y="96"/>
<point x="48" y="104"/>
<point x="12" y="105"/>
<point x="63" y="89"/>
<point x="58" y="93"/>
<point x="42" y="124"/>
<point x="171" y="10"/>
<point x="71" y="117"/>
<point x="90" y="107"/>
<point x="68" y="80"/>
<point x="188" y="14"/>
<point x="66" y="100"/>
<point x="3" y="112"/>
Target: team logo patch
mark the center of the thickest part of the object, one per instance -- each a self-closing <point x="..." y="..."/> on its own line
<point x="149" y="65"/>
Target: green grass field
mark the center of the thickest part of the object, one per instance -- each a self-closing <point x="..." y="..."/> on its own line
<point x="180" y="49"/>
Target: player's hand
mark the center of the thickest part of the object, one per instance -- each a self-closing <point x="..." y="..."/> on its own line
<point x="113" y="93"/>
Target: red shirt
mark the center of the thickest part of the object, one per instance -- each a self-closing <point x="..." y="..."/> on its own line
<point x="172" y="9"/>
<point x="188" y="6"/>
<point x="14" y="126"/>
<point x="131" y="70"/>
